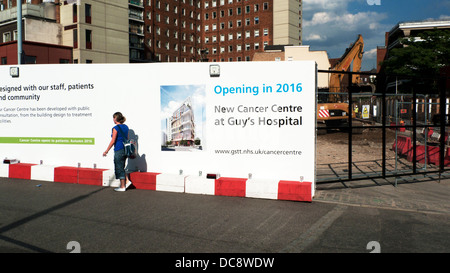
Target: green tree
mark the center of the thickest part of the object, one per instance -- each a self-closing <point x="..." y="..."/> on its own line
<point x="420" y="56"/>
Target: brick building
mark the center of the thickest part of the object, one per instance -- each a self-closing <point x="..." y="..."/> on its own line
<point x="119" y="31"/>
<point x="173" y="29"/>
<point x="35" y="53"/>
<point x="42" y="43"/>
<point x="96" y="30"/>
<point x="218" y="30"/>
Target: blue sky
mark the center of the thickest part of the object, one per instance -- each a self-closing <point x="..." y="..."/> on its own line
<point x="332" y="25"/>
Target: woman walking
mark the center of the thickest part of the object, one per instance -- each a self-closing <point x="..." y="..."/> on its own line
<point x="118" y="137"/>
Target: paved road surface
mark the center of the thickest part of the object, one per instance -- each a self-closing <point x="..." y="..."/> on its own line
<point x="37" y="216"/>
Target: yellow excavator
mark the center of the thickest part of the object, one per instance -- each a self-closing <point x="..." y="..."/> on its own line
<point x="335" y="112"/>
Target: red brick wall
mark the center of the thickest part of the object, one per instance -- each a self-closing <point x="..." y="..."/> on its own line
<point x="44" y="53"/>
<point x="265" y="21"/>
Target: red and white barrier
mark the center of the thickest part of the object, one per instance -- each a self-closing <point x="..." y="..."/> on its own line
<point x="227" y="186"/>
<point x="66" y="174"/>
<point x="199" y="185"/>
<point x="43" y="173"/>
<point x="20" y="170"/>
<point x="294" y="190"/>
<point x="4" y="170"/>
<point x="265" y="189"/>
<point x="109" y="179"/>
<point x="223" y="186"/>
<point x="144" y="181"/>
<point x="430" y="153"/>
<point x="90" y="176"/>
<point x="420" y="154"/>
<point x="403" y="145"/>
<point x="170" y="182"/>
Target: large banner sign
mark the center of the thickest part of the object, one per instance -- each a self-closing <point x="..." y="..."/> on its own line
<point x="234" y="119"/>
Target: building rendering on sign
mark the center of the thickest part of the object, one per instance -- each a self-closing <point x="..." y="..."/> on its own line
<point x="119" y="31"/>
<point x="182" y="125"/>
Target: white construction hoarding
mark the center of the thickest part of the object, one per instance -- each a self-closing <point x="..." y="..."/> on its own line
<point x="251" y="119"/>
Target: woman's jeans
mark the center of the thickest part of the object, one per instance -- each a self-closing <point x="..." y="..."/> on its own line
<point x="119" y="163"/>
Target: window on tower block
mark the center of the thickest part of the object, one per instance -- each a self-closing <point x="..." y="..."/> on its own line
<point x="88" y="39"/>
<point x="88" y="13"/>
<point x="75" y="13"/>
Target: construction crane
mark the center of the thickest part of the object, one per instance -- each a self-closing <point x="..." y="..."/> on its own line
<point x="334" y="112"/>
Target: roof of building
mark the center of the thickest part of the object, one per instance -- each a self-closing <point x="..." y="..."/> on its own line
<point x="275" y="47"/>
<point x="430" y="23"/>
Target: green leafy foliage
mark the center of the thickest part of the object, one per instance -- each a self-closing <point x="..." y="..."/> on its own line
<point x="424" y="55"/>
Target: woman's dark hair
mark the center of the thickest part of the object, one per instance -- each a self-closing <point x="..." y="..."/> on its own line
<point x="119" y="117"/>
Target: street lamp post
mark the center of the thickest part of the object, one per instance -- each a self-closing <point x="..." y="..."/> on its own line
<point x="19" y="31"/>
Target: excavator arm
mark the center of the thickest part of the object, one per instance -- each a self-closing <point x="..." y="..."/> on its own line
<point x="335" y="111"/>
<point x="353" y="54"/>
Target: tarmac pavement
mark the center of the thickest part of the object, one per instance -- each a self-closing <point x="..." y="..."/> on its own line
<point x="356" y="217"/>
<point x="428" y="194"/>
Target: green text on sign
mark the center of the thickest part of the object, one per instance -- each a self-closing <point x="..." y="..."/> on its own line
<point x="48" y="140"/>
